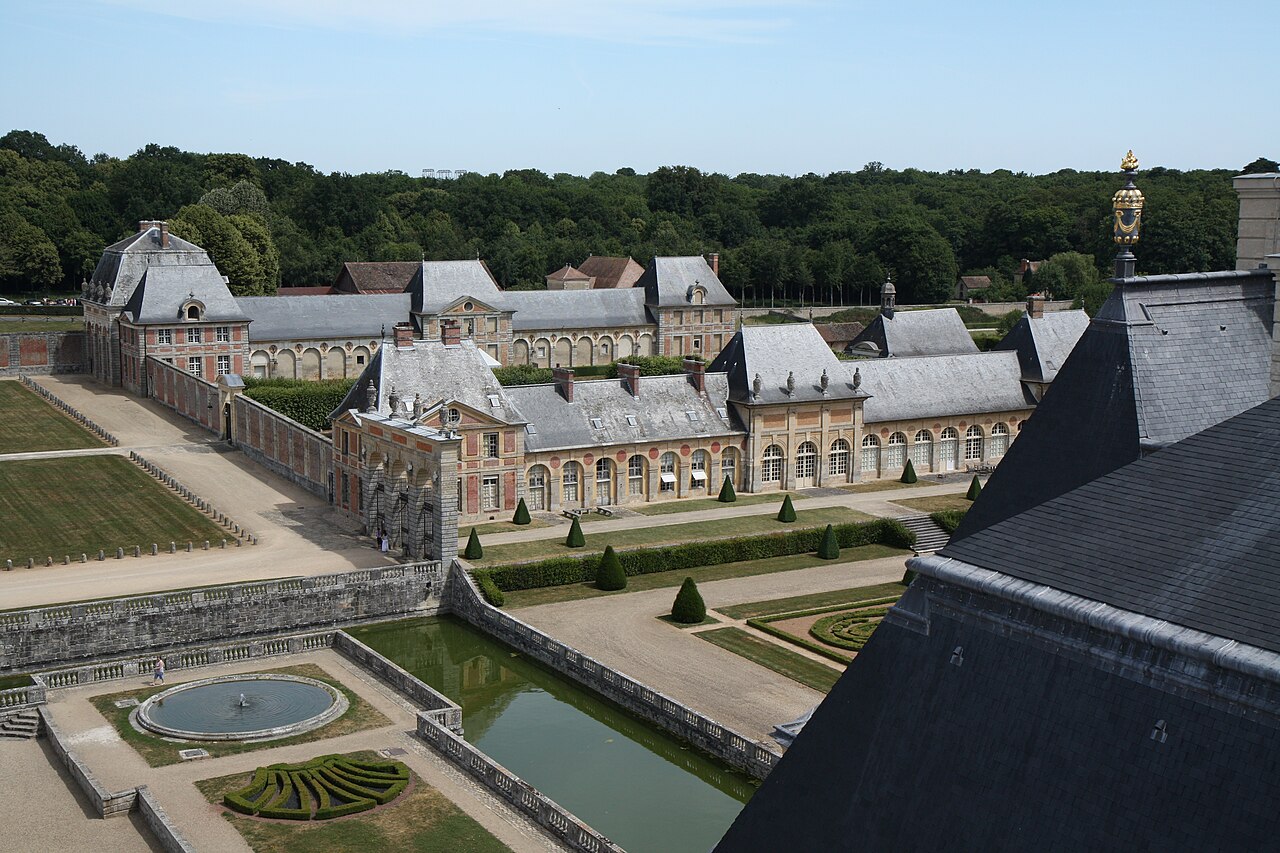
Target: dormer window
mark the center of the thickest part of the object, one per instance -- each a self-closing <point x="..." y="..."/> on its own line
<point x="697" y="294"/>
<point x="193" y="312"/>
<point x="192" y="309"/>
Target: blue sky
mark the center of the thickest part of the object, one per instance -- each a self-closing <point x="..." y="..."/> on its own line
<point x="584" y="85"/>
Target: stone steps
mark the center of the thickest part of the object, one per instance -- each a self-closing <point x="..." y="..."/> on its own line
<point x="20" y="725"/>
<point x="929" y="536"/>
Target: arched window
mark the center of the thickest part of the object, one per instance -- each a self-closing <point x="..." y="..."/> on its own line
<point x="698" y="469"/>
<point x="536" y="494"/>
<point x="193" y="312"/>
<point x="635" y="476"/>
<point x="771" y="467"/>
<point x="895" y="452"/>
<point x="604" y="481"/>
<point x="667" y="472"/>
<point x="870" y="455"/>
<point x="922" y="450"/>
<point x="838" y="462"/>
<point x="729" y="466"/>
<point x="973" y="443"/>
<point x="948" y="449"/>
<point x="571" y="479"/>
<point x="806" y="461"/>
<point x="999" y="440"/>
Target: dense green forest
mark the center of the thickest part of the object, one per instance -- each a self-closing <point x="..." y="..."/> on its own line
<point x="829" y="239"/>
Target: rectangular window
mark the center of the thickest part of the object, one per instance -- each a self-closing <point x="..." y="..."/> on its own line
<point x="342" y="490"/>
<point x="195" y="366"/>
<point x="491" y="445"/>
<point x="346" y="442"/>
<point x="223" y="334"/>
<point x="193" y="335"/>
<point x="679" y="317"/>
<point x="224" y="365"/>
<point x="493" y="325"/>
<point x="359" y="359"/>
<point x="570" y="482"/>
<point x="164" y="336"/>
<point x="493" y="352"/>
<point x="489" y="493"/>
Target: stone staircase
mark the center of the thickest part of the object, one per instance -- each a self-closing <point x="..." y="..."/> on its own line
<point x="929" y="536"/>
<point x="20" y="725"/>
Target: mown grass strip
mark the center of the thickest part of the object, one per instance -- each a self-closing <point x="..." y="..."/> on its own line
<point x="785" y="662"/>
<point x="797" y="603"/>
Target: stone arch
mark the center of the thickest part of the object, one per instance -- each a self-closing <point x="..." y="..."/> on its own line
<point x="286" y="365"/>
<point x="644" y="345"/>
<point x="562" y="355"/>
<point x="359" y="359"/>
<point x="520" y="352"/>
<point x="309" y="364"/>
<point x="260" y="363"/>
<point x="604" y="349"/>
<point x="335" y="363"/>
<point x="582" y="354"/>
<point x="541" y="352"/>
<point x="626" y="348"/>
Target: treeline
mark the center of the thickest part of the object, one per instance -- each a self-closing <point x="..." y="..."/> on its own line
<point x="827" y="238"/>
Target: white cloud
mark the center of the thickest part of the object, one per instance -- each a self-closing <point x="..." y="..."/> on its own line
<point x="608" y="20"/>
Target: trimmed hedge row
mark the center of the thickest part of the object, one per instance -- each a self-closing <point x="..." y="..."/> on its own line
<point x="557" y="571"/>
<point x="305" y="401"/>
<point x="489" y="589"/>
<point x="802" y="642"/>
<point x="325" y="787"/>
<point x="948" y="519"/>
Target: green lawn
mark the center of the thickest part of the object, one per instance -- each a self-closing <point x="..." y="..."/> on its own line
<point x="667" y="535"/>
<point x="28" y="424"/>
<point x="52" y="507"/>
<point x="492" y="527"/>
<point x="42" y="324"/>
<point x="882" y="486"/>
<point x="660" y="580"/>
<point x="420" y="820"/>
<point x="937" y="503"/>
<point x="814" y="601"/>
<point x="797" y="667"/>
<point x="668" y="507"/>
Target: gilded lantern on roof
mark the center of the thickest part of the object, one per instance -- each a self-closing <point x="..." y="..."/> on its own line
<point x="1127" y="205"/>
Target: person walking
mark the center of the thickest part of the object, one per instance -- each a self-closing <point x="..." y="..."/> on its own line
<point x="384" y="543"/>
<point x="157" y="677"/>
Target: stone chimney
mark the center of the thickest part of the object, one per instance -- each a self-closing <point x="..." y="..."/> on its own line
<point x="1035" y="306"/>
<point x="714" y="260"/>
<point x="563" y="377"/>
<point x="1259" y="233"/>
<point x="403" y="334"/>
<point x="450" y="333"/>
<point x="630" y="376"/>
<point x="697" y="373"/>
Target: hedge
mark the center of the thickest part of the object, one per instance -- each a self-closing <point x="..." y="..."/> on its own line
<point x="330" y="785"/>
<point x="474" y="550"/>
<point x="490" y="590"/>
<point x="307" y="402"/>
<point x="43" y="310"/>
<point x="948" y="519"/>
<point x="557" y="571"/>
<point x="689" y="608"/>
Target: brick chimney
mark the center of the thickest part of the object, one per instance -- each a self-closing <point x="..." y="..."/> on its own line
<point x="164" y="234"/>
<point x="403" y="334"/>
<point x="1035" y="306"/>
<point x="697" y="373"/>
<point x="630" y="376"/>
<point x="450" y="333"/>
<point x="563" y="377"/>
<point x="714" y="260"/>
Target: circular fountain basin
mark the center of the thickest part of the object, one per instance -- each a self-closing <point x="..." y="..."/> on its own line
<point x="241" y="708"/>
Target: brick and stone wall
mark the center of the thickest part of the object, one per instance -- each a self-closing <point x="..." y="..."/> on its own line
<point x="283" y="445"/>
<point x="42" y="352"/>
<point x="194" y="398"/>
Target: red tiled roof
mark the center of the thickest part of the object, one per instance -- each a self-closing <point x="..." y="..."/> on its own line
<point x="611" y="272"/>
<point x="374" y="276"/>
<point x="838" y="334"/>
<point x="568" y="273"/>
<point x="323" y="290"/>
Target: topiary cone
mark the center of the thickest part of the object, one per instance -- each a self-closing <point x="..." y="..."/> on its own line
<point x="522" y="514"/>
<point x="689" y="608"/>
<point x="909" y="473"/>
<point x="474" y="550"/>
<point x="609" y="574"/>
<point x="829" y="547"/>
<point x="575" y="539"/>
<point x="788" y="513"/>
<point x="975" y="489"/>
<point x="727" y="494"/>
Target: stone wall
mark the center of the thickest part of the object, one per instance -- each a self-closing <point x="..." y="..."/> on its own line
<point x="146" y="625"/>
<point x="436" y="706"/>
<point x="283" y="445"/>
<point x="157" y="820"/>
<point x="194" y="398"/>
<point x="104" y="802"/>
<point x="42" y="352"/>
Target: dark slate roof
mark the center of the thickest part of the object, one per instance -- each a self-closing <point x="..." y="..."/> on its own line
<point x="1189" y="535"/>
<point x="934" y="331"/>
<point x="123" y="264"/>
<point x="775" y="351"/>
<point x="611" y="272"/>
<point x="1166" y="357"/>
<point x="1016" y="749"/>
<point x="660" y="412"/>
<point x="940" y="386"/>
<point x="575" y="309"/>
<point x="439" y="284"/>
<point x="344" y="315"/>
<point x="669" y="282"/>
<point x="163" y="291"/>
<point x="1043" y="343"/>
<point x="384" y="276"/>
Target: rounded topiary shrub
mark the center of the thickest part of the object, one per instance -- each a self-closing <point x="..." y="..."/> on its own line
<point x="575" y="539"/>
<point x="787" y="513"/>
<point x="975" y="489"/>
<point x="727" y="494"/>
<point x="829" y="547"/>
<point x="609" y="574"/>
<point x="909" y="473"/>
<point x="522" y="514"/>
<point x="689" y="608"/>
<point x="474" y="550"/>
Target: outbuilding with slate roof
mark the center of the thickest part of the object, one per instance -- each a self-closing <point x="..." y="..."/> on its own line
<point x="695" y="315"/>
<point x="1043" y="341"/>
<point x="906" y="334"/>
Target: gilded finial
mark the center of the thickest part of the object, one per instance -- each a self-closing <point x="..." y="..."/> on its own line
<point x="1126" y="208"/>
<point x="1129" y="163"/>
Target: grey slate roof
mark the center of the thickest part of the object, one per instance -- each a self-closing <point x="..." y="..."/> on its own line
<point x="933" y="331"/>
<point x="1166" y="357"/>
<point x="364" y="315"/>
<point x="775" y="351"/>
<point x="439" y="284"/>
<point x="1043" y="343"/>
<point x="1190" y="535"/>
<point x="660" y="413"/>
<point x="123" y="264"/>
<point x="668" y="282"/>
<point x="942" y="385"/>
<point x="576" y="309"/>
<point x="163" y="290"/>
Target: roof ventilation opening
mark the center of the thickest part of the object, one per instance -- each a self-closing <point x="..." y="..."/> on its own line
<point x="957" y="656"/>
<point x="1160" y="732"/>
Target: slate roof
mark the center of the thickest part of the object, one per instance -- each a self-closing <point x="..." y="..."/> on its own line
<point x="940" y="386"/>
<point x="611" y="272"/>
<point x="376" y="276"/>
<point x="343" y="315"/>
<point x="1166" y="357"/>
<point x="668" y="282"/>
<point x="439" y="284"/>
<point x="576" y="309"/>
<point x="163" y="290"/>
<point x="123" y="264"/>
<point x="1043" y="343"/>
<point x="775" y="351"/>
<point x="660" y="412"/>
<point x="933" y="331"/>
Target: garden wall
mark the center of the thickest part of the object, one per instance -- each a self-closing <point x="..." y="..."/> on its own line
<point x="283" y="445"/>
<point x="38" y="353"/>
<point x="194" y="398"/>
